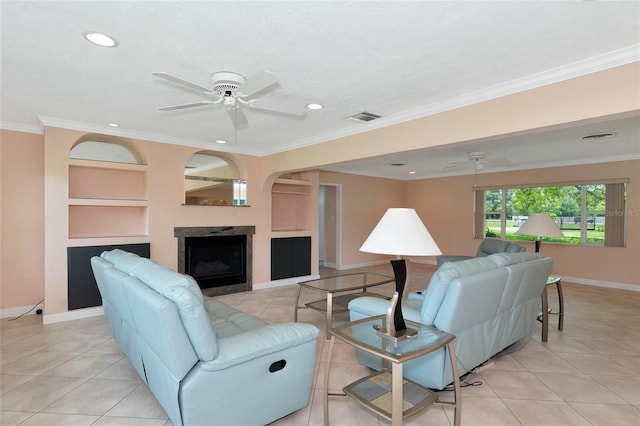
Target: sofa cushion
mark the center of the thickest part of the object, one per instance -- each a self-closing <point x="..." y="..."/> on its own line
<point x="195" y="321"/>
<point x="437" y="288"/>
<point x="514" y="248"/>
<point x="227" y="321"/>
<point x="505" y="259"/>
<point x="160" y="278"/>
<point x="130" y="264"/>
<point x="490" y="246"/>
<point x="113" y="255"/>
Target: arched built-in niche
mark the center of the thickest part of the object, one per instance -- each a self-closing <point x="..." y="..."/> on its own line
<point x="105" y="148"/>
<point x="107" y="189"/>
<point x="211" y="180"/>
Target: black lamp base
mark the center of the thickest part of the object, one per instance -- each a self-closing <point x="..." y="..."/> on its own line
<point x="395" y="328"/>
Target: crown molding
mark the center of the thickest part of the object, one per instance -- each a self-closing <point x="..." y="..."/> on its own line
<point x="151" y="137"/>
<point x="21" y="127"/>
<point x="581" y="68"/>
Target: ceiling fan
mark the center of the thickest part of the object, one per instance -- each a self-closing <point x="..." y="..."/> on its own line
<point x="477" y="161"/>
<point x="233" y="90"/>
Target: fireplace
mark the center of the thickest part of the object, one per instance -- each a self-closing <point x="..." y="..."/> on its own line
<point x="217" y="257"/>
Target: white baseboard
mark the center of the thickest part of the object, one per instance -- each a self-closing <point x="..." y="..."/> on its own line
<point x="363" y="265"/>
<point x="383" y="262"/>
<point x="20" y="310"/>
<point x="73" y="315"/>
<point x="284" y="282"/>
<point x="599" y="283"/>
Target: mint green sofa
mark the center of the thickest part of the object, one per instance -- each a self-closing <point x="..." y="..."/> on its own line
<point x="205" y="362"/>
<point x="488" y="303"/>
<point x="487" y="247"/>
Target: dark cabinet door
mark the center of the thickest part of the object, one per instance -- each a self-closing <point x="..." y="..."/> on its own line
<point x="82" y="290"/>
<point x="290" y="257"/>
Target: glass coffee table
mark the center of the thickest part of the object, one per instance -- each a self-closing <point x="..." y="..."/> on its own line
<point x="333" y="287"/>
<point x="386" y="393"/>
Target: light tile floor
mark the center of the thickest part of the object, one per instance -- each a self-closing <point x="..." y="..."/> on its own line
<point x="73" y="373"/>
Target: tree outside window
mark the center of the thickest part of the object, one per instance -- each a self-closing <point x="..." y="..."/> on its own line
<point x="584" y="213"/>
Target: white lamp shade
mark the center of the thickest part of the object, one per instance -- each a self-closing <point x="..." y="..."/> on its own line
<point x="401" y="232"/>
<point x="540" y="225"/>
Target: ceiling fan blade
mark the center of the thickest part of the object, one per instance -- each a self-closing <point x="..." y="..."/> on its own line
<point x="237" y="117"/>
<point x="257" y="83"/>
<point x="500" y="161"/>
<point x="454" y="165"/>
<point x="183" y="106"/>
<point x="182" y="82"/>
<point x="277" y="107"/>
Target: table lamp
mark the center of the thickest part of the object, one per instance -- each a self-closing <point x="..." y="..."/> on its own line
<point x="540" y="225"/>
<point x="400" y="232"/>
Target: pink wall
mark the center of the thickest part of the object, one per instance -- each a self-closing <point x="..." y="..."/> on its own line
<point x="21" y="219"/>
<point x="445" y="205"/>
<point x="364" y="201"/>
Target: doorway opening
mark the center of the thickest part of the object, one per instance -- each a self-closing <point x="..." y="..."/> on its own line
<point x="330" y="226"/>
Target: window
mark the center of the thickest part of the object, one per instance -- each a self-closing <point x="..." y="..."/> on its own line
<point x="586" y="213"/>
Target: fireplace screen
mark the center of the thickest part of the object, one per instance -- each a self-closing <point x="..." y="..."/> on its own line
<point x="215" y="261"/>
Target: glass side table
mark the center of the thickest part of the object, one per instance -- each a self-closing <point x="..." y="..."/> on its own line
<point x="387" y="393"/>
<point x="339" y="291"/>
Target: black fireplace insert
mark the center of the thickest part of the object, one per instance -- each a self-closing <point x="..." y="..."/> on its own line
<point x="215" y="261"/>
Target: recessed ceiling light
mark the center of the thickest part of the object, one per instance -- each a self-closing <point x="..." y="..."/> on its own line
<point x="315" y="106"/>
<point x="113" y="124"/>
<point x="412" y="172"/>
<point x="220" y="141"/>
<point x="100" y="39"/>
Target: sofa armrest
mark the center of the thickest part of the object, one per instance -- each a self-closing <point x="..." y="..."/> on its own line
<point x="363" y="307"/>
<point x="416" y="295"/>
<point x="242" y="347"/>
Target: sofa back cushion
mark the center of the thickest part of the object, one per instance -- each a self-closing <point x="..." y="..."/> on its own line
<point x="471" y="300"/>
<point x="160" y="278"/>
<point x="437" y="288"/>
<point x="196" y="322"/>
<point x="506" y="259"/>
<point x="490" y="246"/>
<point x="184" y="292"/>
<point x="113" y="255"/>
<point x="514" y="248"/>
<point x="164" y="343"/>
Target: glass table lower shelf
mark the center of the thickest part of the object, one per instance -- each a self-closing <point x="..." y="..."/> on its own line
<point x="375" y="393"/>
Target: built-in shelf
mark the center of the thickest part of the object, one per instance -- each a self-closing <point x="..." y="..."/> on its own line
<point x="90" y="221"/>
<point x="90" y="240"/>
<point x="106" y="202"/>
<point x="107" y="199"/>
<point x="291" y="201"/>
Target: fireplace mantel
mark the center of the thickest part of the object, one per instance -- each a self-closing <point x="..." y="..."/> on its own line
<point x="212" y="231"/>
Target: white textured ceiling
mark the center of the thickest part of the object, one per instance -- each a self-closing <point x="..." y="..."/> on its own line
<point x="400" y="60"/>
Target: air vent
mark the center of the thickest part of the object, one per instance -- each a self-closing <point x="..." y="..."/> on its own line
<point x="363" y="117"/>
<point x="600" y="135"/>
